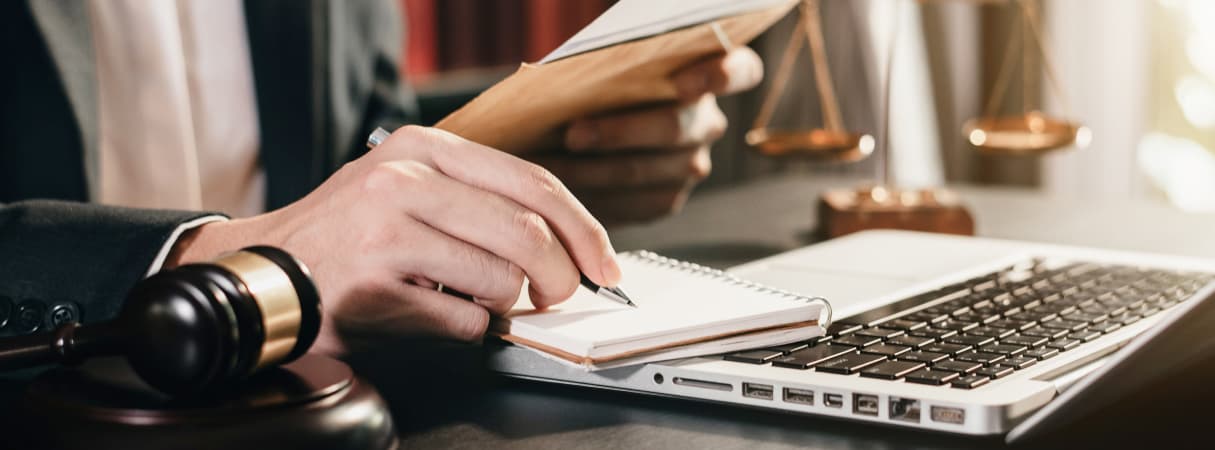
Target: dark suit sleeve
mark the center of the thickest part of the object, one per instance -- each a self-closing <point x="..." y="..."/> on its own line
<point x="390" y="102"/>
<point x="86" y="256"/>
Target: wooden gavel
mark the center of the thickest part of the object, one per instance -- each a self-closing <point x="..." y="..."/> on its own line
<point x="197" y="327"/>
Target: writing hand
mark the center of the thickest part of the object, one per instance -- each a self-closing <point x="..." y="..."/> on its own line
<point x="426" y="207"/>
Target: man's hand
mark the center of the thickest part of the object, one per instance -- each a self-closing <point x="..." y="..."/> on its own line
<point x="424" y="208"/>
<point x="641" y="164"/>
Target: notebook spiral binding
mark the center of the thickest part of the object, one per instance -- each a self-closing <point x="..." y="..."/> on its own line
<point x="697" y="269"/>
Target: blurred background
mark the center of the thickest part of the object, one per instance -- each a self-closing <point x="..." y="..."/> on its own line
<point x="1140" y="74"/>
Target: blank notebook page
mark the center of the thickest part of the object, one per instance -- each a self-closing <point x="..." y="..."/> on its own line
<point x="677" y="302"/>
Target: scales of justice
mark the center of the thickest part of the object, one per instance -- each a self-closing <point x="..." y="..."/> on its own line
<point x="881" y="204"/>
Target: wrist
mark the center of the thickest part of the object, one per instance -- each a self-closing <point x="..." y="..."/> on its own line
<point x="210" y="240"/>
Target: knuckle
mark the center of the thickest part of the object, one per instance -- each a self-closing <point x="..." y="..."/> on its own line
<point x="513" y="281"/>
<point x="392" y="177"/>
<point x="631" y="172"/>
<point x="678" y="120"/>
<point x="544" y="181"/>
<point x="593" y="231"/>
<point x="533" y="232"/>
<point x="469" y="326"/>
<point x="717" y="123"/>
<point x="701" y="164"/>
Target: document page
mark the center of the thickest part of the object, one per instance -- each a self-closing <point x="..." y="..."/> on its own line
<point x="635" y="19"/>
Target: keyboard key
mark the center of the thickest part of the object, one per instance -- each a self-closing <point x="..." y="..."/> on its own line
<point x="753" y="356"/>
<point x="973" y="341"/>
<point x="1085" y="335"/>
<point x="977" y="317"/>
<point x="1037" y="315"/>
<point x="1057" y="308"/>
<point x="886" y="350"/>
<point x="948" y="349"/>
<point x="1042" y="353"/>
<point x="1086" y="317"/>
<point x="924" y="357"/>
<point x="849" y="363"/>
<point x="807" y="358"/>
<point x="905" y="324"/>
<point x="842" y="328"/>
<point x="881" y="333"/>
<point x="788" y="348"/>
<point x="1126" y="318"/>
<point x="891" y="370"/>
<point x="1064" y="344"/>
<point x="990" y="331"/>
<point x="1049" y="333"/>
<point x="1003" y="349"/>
<point x="1019" y="362"/>
<point x="1025" y="340"/>
<point x="855" y="340"/>
<point x="1064" y="324"/>
<point x="925" y="316"/>
<point x="910" y="341"/>
<point x="983" y="358"/>
<point x="933" y="332"/>
<point x="957" y="366"/>
<point x="955" y="325"/>
<point x="1014" y="324"/>
<point x="931" y="376"/>
<point x="994" y="371"/>
<point x="970" y="381"/>
<point x="1107" y="327"/>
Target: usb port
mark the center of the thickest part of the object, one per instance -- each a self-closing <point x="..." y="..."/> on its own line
<point x="760" y="391"/>
<point x="865" y="404"/>
<point x="798" y="396"/>
<point x="833" y="400"/>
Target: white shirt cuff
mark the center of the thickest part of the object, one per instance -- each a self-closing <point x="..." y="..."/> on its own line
<point x="168" y="247"/>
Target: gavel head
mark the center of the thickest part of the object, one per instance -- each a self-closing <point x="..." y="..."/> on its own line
<point x="203" y="326"/>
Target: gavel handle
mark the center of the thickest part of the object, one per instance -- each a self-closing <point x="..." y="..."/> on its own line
<point x="68" y="344"/>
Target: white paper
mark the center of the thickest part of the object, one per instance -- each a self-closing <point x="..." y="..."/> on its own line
<point x="635" y="19"/>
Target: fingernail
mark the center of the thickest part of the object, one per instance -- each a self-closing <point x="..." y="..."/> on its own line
<point x="611" y="270"/>
<point x="692" y="85"/>
<point x="581" y="135"/>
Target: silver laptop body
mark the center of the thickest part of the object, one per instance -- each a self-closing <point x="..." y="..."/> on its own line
<point x="862" y="273"/>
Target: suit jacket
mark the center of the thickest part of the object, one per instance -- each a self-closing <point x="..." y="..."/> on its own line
<point x="325" y="74"/>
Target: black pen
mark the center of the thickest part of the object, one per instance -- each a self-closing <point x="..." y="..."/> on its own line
<point x="611" y="293"/>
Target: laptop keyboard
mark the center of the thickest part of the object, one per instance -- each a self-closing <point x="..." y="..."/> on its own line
<point x="966" y="334"/>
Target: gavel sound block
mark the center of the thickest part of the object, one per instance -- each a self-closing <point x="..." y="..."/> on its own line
<point x="846" y="211"/>
<point x="312" y="403"/>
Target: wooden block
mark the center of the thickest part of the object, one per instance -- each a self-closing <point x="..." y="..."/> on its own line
<point x="847" y="211"/>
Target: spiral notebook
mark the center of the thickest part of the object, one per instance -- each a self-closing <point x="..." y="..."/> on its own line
<point x="685" y="310"/>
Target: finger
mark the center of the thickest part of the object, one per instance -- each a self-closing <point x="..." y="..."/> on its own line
<point x="529" y="185"/>
<point x="492" y="281"/>
<point x="394" y="308"/>
<point x="486" y="220"/>
<point x="638" y="205"/>
<point x="433" y="313"/>
<point x="695" y="123"/>
<point x="738" y="70"/>
<point x="582" y="172"/>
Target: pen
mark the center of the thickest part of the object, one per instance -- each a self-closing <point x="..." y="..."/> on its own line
<point x="611" y="293"/>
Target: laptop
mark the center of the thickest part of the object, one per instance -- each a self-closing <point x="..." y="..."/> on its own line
<point x="955" y="334"/>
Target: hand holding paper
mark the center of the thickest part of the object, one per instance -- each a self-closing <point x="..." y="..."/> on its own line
<point x="641" y="163"/>
<point x="577" y="112"/>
